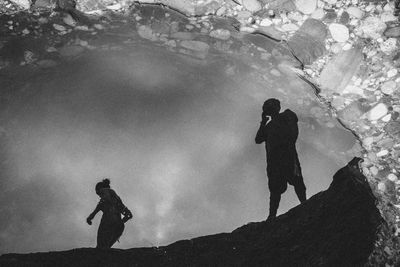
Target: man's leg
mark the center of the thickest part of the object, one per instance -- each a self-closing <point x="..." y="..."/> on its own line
<point x="300" y="188"/>
<point x="274" y="200"/>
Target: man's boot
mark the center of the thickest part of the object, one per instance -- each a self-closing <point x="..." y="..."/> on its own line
<point x="301" y="194"/>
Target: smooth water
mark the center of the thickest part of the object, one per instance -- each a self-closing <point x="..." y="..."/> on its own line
<point x="174" y="134"/>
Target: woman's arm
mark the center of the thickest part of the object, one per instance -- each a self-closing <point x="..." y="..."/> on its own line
<point x="91" y="216"/>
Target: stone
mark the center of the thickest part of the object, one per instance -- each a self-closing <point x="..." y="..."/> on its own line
<point x="266" y="22"/>
<point x="289" y="27"/>
<point x="308" y="43"/>
<point x="377" y="112"/>
<point x="355" y="12"/>
<point x="251" y="5"/>
<point x="388" y="16"/>
<point x="344" y="18"/>
<point x="368" y="141"/>
<point x="392" y="177"/>
<point x="392" y="32"/>
<point x="381" y="187"/>
<point x="318" y="14"/>
<point x="306" y="6"/>
<point x="43" y="4"/>
<point x="389" y="46"/>
<point x="339" y="71"/>
<point x="146" y="32"/>
<point x="387" y="118"/>
<point x="352" y="112"/>
<point x="71" y="50"/>
<point x="388" y="87"/>
<point x="339" y="32"/>
<point x="220" y="11"/>
<point x="59" y="27"/>
<point x="393" y="129"/>
<point x="221" y="34"/>
<point x="69" y="20"/>
<point x="25" y="4"/>
<point x="372" y="27"/>
<point x="391" y="73"/>
<point x="382" y="153"/>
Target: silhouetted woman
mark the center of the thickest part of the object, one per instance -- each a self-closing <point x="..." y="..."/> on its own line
<point x="111" y="225"/>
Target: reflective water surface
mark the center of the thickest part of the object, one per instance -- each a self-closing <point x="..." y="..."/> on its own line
<point x="174" y="134"/>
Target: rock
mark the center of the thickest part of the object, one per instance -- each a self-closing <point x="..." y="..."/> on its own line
<point x="251" y="5"/>
<point x="69" y="20"/>
<point x="381" y="187"/>
<point x="372" y="27"/>
<point x="243" y="15"/>
<point x="344" y="18"/>
<point x="339" y="71"/>
<point x="392" y="177"/>
<point x="330" y="16"/>
<point x="114" y="7"/>
<point x="382" y="153"/>
<point x="393" y="129"/>
<point x="146" y="32"/>
<point x="220" y="11"/>
<point x="387" y="118"/>
<point x="308" y="43"/>
<point x="71" y="50"/>
<point x="374" y="170"/>
<point x="355" y="12"/>
<point x="388" y="87"/>
<point x="392" y="32"/>
<point x="306" y="6"/>
<point x="59" y="27"/>
<point x="43" y="4"/>
<point x="368" y="141"/>
<point x="339" y="32"/>
<point x="388" y="16"/>
<point x="377" y="112"/>
<point x="266" y="22"/>
<point x="25" y="4"/>
<point x="318" y="14"/>
<point x="352" y="112"/>
<point x="289" y="27"/>
<point x="220" y="34"/>
<point x="25" y="31"/>
<point x="296" y="16"/>
<point x="391" y="73"/>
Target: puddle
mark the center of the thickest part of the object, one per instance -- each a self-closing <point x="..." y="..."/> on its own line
<point x="175" y="135"/>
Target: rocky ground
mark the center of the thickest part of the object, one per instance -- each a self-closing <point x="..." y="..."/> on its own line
<point x="345" y="215"/>
<point x="346" y="50"/>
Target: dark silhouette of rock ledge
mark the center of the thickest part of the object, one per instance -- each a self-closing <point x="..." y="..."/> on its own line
<point x="336" y="227"/>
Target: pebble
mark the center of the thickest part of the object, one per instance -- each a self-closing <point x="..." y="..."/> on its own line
<point x="392" y="32"/>
<point x="381" y="187"/>
<point x="221" y="34"/>
<point x="368" y="141"/>
<point x="59" y="27"/>
<point x="306" y="6"/>
<point x="318" y="14"/>
<point x="266" y="22"/>
<point x="25" y="4"/>
<point x="146" y="32"/>
<point x="289" y="27"/>
<point x="391" y="73"/>
<point x="377" y="112"/>
<point x="372" y="27"/>
<point x="374" y="170"/>
<point x="69" y="20"/>
<point x="220" y="11"/>
<point x="25" y="31"/>
<point x="251" y="5"/>
<point x="392" y="177"/>
<point x="388" y="87"/>
<point x="386" y="118"/>
<point x="339" y="32"/>
<point x="388" y="16"/>
<point x="389" y="46"/>
<point x="382" y="153"/>
<point x="355" y="12"/>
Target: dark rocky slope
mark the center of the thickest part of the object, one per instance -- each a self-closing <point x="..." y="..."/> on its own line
<point x="336" y="227"/>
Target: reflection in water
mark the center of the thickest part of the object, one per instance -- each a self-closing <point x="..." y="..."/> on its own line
<point x="176" y="137"/>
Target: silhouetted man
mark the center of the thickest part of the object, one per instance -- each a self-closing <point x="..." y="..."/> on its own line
<point x="279" y="131"/>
